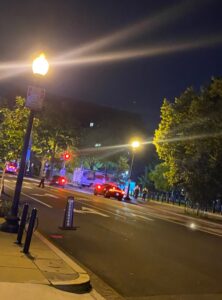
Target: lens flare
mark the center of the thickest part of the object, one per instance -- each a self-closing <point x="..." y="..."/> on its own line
<point x="148" y="25"/>
<point x="141" y="53"/>
<point x="189" y="138"/>
<point x="150" y="141"/>
<point x="192" y="226"/>
<point x="12" y="73"/>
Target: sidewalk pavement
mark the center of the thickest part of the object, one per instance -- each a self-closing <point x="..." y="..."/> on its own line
<point x="45" y="273"/>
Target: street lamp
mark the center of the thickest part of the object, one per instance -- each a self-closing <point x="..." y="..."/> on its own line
<point x="34" y="102"/>
<point x="40" y="65"/>
<point x="134" y="145"/>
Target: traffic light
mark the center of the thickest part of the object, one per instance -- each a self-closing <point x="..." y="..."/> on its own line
<point x="66" y="156"/>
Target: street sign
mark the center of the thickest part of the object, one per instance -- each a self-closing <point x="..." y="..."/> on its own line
<point x="35" y="97"/>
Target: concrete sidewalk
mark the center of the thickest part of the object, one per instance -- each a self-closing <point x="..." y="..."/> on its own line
<point x="27" y="291"/>
<point x="46" y="273"/>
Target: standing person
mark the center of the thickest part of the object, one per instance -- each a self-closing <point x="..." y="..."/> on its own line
<point x="144" y="193"/>
<point x="136" y="191"/>
<point x="42" y="181"/>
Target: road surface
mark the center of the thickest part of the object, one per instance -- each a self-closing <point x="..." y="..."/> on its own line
<point x="140" y="251"/>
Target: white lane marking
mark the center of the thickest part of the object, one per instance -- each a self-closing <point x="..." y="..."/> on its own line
<point x="129" y="214"/>
<point x="43" y="203"/>
<point x="80" y="191"/>
<point x="56" y="188"/>
<point x="52" y="196"/>
<point x="46" y="194"/>
<point x="105" y="210"/>
<point x="49" y="206"/>
<point x="119" y="213"/>
<point x="28" y="188"/>
<point x="6" y="180"/>
<point x="87" y="210"/>
<point x="143" y="217"/>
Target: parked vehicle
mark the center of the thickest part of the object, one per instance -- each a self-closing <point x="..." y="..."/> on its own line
<point x="109" y="190"/>
<point x="58" y="181"/>
<point x="11" y="167"/>
<point x="84" y="177"/>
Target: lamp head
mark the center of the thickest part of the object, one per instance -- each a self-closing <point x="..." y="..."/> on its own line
<point x="40" y="65"/>
<point x="135" y="144"/>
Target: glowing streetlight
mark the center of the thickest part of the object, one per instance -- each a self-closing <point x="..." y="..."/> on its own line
<point x="34" y="101"/>
<point x="40" y="65"/>
<point x="135" y="144"/>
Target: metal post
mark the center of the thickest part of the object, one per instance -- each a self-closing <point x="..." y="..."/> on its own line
<point x="130" y="173"/>
<point x="11" y="224"/>
<point x="14" y="210"/>
<point x="30" y="231"/>
<point x="214" y="207"/>
<point x="22" y="224"/>
<point x="2" y="182"/>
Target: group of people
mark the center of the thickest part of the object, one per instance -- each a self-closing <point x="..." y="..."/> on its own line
<point x="137" y="191"/>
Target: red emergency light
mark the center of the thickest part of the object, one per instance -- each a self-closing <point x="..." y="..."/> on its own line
<point x="66" y="156"/>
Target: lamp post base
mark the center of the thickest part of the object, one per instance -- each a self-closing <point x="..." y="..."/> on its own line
<point x="127" y="198"/>
<point x="10" y="225"/>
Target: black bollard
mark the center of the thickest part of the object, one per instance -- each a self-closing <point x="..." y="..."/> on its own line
<point x="69" y="215"/>
<point x="30" y="231"/>
<point x="22" y="224"/>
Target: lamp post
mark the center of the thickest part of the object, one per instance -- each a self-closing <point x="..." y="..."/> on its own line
<point x="34" y="101"/>
<point x="134" y="145"/>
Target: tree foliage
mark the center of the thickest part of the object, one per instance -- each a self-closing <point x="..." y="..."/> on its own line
<point x="56" y="132"/>
<point x="58" y="128"/>
<point x="189" y="141"/>
<point x="12" y="129"/>
<point x="52" y="133"/>
<point x="159" y="177"/>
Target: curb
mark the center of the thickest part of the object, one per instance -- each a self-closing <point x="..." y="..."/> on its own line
<point x="79" y="285"/>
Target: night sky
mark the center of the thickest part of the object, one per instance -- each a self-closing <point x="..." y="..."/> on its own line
<point x="137" y="84"/>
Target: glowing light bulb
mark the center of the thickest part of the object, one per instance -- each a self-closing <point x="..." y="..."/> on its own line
<point x="40" y="65"/>
<point x="135" y="144"/>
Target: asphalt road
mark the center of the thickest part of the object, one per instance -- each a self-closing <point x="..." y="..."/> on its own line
<point x="139" y="251"/>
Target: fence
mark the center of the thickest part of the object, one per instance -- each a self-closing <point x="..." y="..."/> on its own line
<point x="215" y="206"/>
